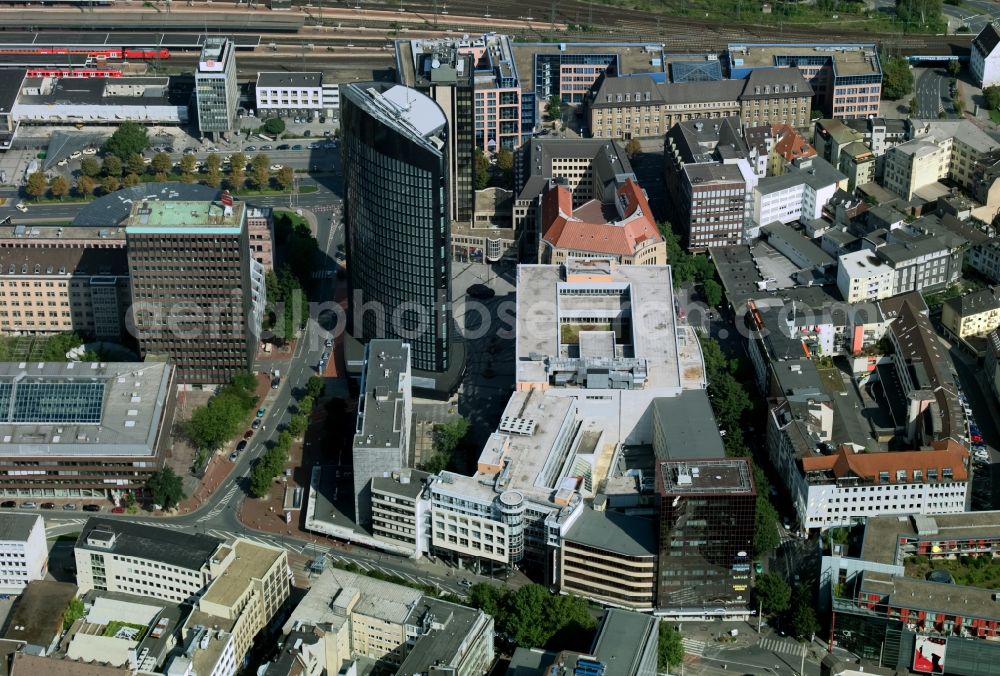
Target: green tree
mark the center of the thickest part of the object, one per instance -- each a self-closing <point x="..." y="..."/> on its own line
<point x="166" y="488"/>
<point x="110" y="184"/>
<point x="260" y="172"/>
<point x="897" y="78"/>
<point x="804" y="622"/>
<point x="237" y="171"/>
<point x="74" y="611"/>
<point x="505" y="160"/>
<point x="246" y="382"/>
<point x="213" y="168"/>
<point x="213" y="161"/>
<point x="954" y="68"/>
<point x="669" y="649"/>
<point x="85" y="185"/>
<point x="188" y="163"/>
<point x="920" y="12"/>
<point x="89" y="166"/>
<point x="130" y="138"/>
<point x="297" y="424"/>
<point x="991" y="95"/>
<point x="128" y="501"/>
<point x="112" y="166"/>
<point x="131" y="180"/>
<point x="136" y="164"/>
<point x="488" y="598"/>
<point x="285" y="177"/>
<point x="713" y="292"/>
<point x="633" y="147"/>
<point x="37" y="185"/>
<point x="480" y="169"/>
<point x="315" y="386"/>
<point x="771" y="593"/>
<point x="305" y="405"/>
<point x="57" y="346"/>
<point x="765" y="537"/>
<point x="274" y="126"/>
<point x="553" y="108"/>
<point x="162" y="164"/>
<point x="59" y="186"/>
<point x="260" y="480"/>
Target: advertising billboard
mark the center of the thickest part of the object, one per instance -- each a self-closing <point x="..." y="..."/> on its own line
<point x="928" y="654"/>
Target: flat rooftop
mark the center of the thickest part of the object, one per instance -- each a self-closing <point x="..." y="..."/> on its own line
<point x="643" y="292"/>
<point x="615" y="532"/>
<point x="75" y="409"/>
<point x="17" y="527"/>
<point x="283" y="79"/>
<point x="440" y="645"/>
<point x="153" y="217"/>
<point x="633" y="57"/>
<point x="336" y="593"/>
<point x="621" y="639"/>
<point x="37" y="615"/>
<point x="386" y="387"/>
<point x="251" y="563"/>
<point x="175" y="548"/>
<point x="848" y="59"/>
<point x="882" y="533"/>
<point x="701" y="477"/>
<point x="689" y="426"/>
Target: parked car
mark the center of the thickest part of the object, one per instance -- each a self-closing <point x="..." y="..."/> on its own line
<point x="241" y="446"/>
<point x="296" y="147"/>
<point x="328" y="342"/>
<point x="8" y="504"/>
<point x="21" y="206"/>
<point x="48" y="505"/>
<point x="277" y="167"/>
<point x="29" y="505"/>
<point x="251" y="149"/>
<point x="69" y="507"/>
<point x="758" y="567"/>
<point x="248" y="434"/>
<point x="117" y="510"/>
<point x="284" y="146"/>
<point x="91" y="508"/>
<point x="233" y="456"/>
<point x="276" y="383"/>
<point x="255" y="424"/>
<point x="976" y="438"/>
<point x="90" y="151"/>
<point x="267" y="147"/>
<point x="261" y="411"/>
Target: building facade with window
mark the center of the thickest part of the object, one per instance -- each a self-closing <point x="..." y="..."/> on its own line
<point x="198" y="293"/>
<point x="397" y="216"/>
<point x="216" y="88"/>
<point x="283" y="93"/>
<point x="24" y="553"/>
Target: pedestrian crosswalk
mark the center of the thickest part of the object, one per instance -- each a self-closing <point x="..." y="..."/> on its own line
<point x="221" y="505"/>
<point x="693" y="646"/>
<point x="776" y="645"/>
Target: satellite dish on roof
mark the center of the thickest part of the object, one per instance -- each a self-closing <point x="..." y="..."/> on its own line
<point x="435" y="63"/>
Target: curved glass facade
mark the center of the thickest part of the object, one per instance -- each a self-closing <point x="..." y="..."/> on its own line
<point x="397" y="221"/>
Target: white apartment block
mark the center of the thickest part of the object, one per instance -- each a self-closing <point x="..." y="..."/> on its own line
<point x="861" y="275"/>
<point x="799" y="194"/>
<point x="119" y="556"/>
<point x="400" y="512"/>
<point x="283" y="93"/>
<point x="24" y="554"/>
<point x="842" y="488"/>
<point x="984" y="58"/>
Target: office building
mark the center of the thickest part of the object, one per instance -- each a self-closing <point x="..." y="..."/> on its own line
<point x="396" y="216"/>
<point x="623" y="229"/>
<point x="83" y="429"/>
<point x="54" y="280"/>
<point x="893" y="600"/>
<point x="926" y="254"/>
<point x="217" y="92"/>
<point x="610" y="558"/>
<point x="639" y="106"/>
<point x="846" y="79"/>
<point x="590" y="169"/>
<point x="400" y="511"/>
<point x="289" y="94"/>
<point x="715" y="204"/>
<point x="937" y="149"/>
<point x="626" y="643"/>
<point x="799" y="193"/>
<point x="707" y="509"/>
<point x="361" y="620"/>
<point x="198" y="294"/>
<point x="260" y="226"/>
<point x="97" y="100"/>
<point x="119" y="556"/>
<point x="984" y="58"/>
<point x="25" y="551"/>
<point x="443" y="70"/>
<point x="248" y="589"/>
<point x="382" y="433"/>
<point x="975" y="314"/>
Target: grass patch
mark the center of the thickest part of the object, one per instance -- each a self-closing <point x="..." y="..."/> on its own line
<point x="973" y="571"/>
<point x="569" y="334"/>
<point x="995" y="116"/>
<point x="115" y="626"/>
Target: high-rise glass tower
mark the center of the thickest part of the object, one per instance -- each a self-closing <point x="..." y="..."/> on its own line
<point x="216" y="88"/>
<point x="396" y="210"/>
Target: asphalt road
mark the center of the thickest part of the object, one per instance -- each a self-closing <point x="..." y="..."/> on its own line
<point x="933" y="95"/>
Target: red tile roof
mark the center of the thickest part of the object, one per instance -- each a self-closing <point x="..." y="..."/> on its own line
<point x="847" y="463"/>
<point x="580" y="231"/>
<point x="791" y="144"/>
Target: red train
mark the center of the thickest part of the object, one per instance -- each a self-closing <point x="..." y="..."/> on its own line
<point x="111" y="53"/>
<point x="73" y="72"/>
